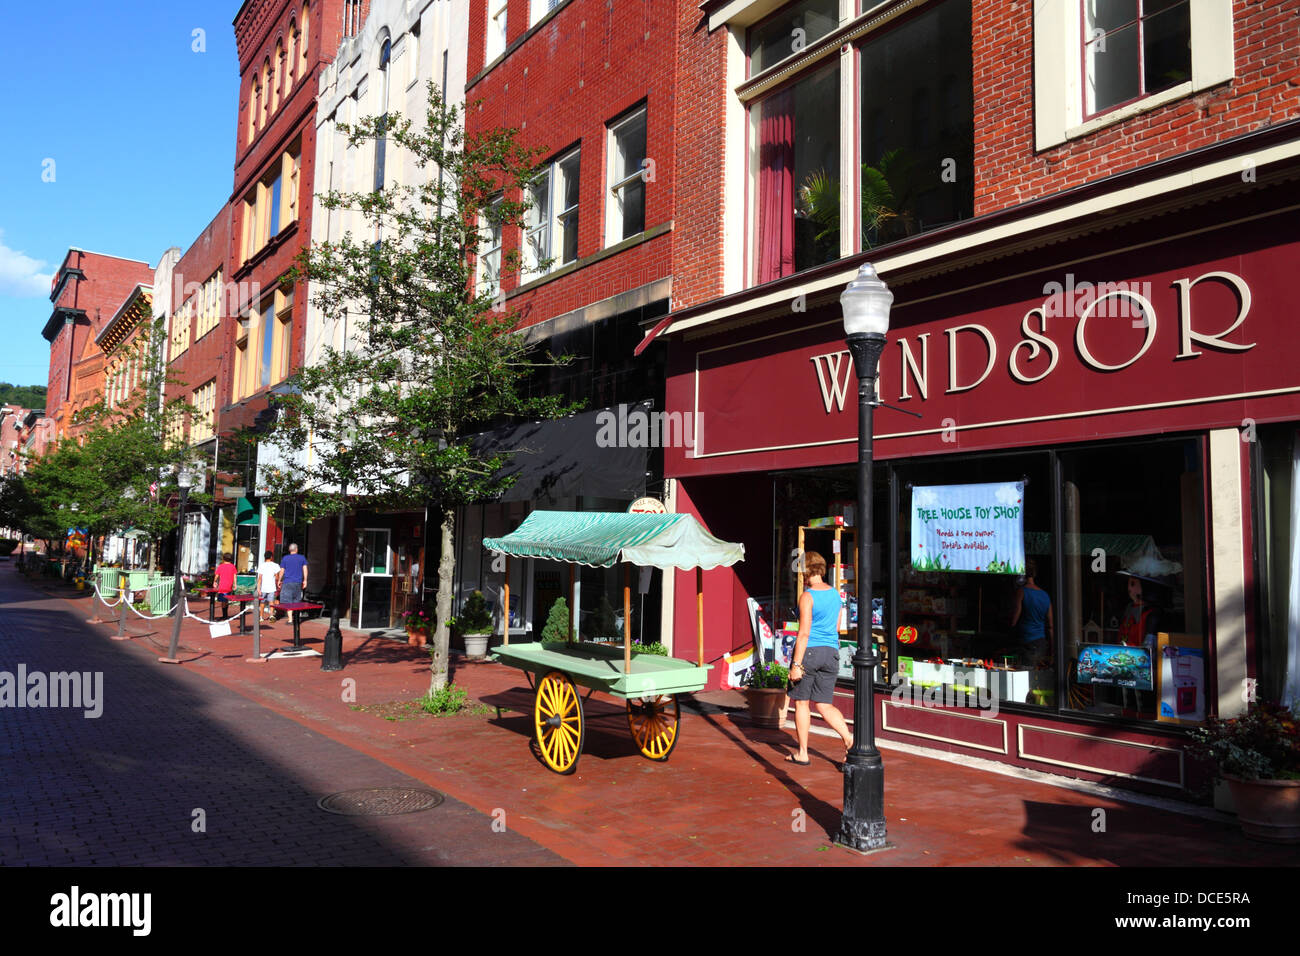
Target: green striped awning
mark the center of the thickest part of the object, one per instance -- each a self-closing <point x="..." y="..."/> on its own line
<point x="601" y="539"/>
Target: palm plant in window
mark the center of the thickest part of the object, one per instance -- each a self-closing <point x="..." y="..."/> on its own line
<point x="887" y="192"/>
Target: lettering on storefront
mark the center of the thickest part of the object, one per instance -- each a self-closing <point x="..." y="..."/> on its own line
<point x="835" y="373"/>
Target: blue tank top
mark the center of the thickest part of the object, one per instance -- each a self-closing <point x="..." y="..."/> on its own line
<point x="1033" y="614"/>
<point x="825" y="629"/>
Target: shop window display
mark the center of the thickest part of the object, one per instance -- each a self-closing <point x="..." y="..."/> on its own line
<point x="1133" y="608"/>
<point x="976" y="612"/>
<point x="816" y="511"/>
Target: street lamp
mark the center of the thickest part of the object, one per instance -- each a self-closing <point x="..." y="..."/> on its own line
<point x="185" y="480"/>
<point x="332" y="659"/>
<point x="866" y="304"/>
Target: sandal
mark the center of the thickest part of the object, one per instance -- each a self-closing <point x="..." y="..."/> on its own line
<point x="791" y="758"/>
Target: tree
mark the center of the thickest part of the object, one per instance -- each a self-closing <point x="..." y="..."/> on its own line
<point x="426" y="362"/>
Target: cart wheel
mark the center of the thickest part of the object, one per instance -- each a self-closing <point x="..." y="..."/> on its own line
<point x="654" y="722"/>
<point x="557" y="719"/>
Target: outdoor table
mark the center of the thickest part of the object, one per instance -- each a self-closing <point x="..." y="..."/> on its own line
<point x="211" y="594"/>
<point x="242" y="599"/>
<point x="293" y="607"/>
<point x="647" y="683"/>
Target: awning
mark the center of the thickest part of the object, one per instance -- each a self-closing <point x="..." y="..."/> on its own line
<point x="564" y="458"/>
<point x="600" y="539"/>
<point x="247" y="512"/>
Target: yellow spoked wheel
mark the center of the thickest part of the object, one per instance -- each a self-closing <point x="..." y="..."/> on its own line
<point x="654" y="722"/>
<point x="557" y="719"/>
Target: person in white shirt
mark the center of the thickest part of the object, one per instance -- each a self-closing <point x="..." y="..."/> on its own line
<point x="267" y="572"/>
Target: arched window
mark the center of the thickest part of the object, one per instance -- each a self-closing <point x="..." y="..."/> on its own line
<point x="277" y="75"/>
<point x="266" y="88"/>
<point x="294" y="53"/>
<point x="304" y="62"/>
<point x="381" y="141"/>
<point x="254" y="106"/>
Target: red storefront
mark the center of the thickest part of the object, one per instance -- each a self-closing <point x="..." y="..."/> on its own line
<point x="1124" y="352"/>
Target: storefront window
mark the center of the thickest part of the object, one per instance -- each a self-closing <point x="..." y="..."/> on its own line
<point x="918" y="125"/>
<point x="1133" y="612"/>
<point x="798" y="169"/>
<point x="815" y="511"/>
<point x="1277" y="521"/>
<point x="976" y="612"/>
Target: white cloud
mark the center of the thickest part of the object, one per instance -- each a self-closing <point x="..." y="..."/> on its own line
<point x="1007" y="494"/>
<point x="21" y="275"/>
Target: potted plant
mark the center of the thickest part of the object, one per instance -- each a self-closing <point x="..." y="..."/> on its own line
<point x="418" y="623"/>
<point x="1258" y="753"/>
<point x="765" y="689"/>
<point x="475" y="624"/>
<point x="556" y="629"/>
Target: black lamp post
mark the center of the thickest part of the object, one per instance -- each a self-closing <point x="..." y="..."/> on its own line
<point x="866" y="304"/>
<point x="333" y="657"/>
<point x="185" y="479"/>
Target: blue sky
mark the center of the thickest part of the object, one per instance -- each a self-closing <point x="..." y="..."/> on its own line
<point x="141" y="130"/>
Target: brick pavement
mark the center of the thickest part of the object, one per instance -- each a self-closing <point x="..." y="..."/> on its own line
<point x="123" y="788"/>
<point x="724" y="798"/>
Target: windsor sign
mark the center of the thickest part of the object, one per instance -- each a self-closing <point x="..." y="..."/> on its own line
<point x="1039" y="359"/>
<point x="1100" y="312"/>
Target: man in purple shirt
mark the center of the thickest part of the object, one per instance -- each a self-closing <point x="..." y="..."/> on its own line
<point x="293" y="576"/>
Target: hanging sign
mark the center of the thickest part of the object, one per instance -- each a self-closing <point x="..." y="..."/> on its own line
<point x="978" y="528"/>
<point x="647" y="506"/>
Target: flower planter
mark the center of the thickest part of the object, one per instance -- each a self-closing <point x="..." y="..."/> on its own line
<point x="1269" y="810"/>
<point x="476" y="645"/>
<point x="418" y="638"/>
<point x="765" y="705"/>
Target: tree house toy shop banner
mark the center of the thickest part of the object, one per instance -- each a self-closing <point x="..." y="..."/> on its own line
<point x="979" y="528"/>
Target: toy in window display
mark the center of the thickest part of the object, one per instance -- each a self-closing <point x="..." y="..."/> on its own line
<point x="1141" y="620"/>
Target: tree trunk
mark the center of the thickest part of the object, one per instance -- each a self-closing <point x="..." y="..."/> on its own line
<point x="446" y="574"/>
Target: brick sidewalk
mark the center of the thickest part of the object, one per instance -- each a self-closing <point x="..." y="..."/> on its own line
<point x="726" y="797"/>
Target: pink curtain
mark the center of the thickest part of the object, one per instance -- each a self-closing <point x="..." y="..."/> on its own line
<point x="776" y="187"/>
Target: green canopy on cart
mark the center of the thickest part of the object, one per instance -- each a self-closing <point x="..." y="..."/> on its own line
<point x="601" y="539"/>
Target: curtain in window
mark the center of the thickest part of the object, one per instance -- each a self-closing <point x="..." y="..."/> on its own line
<point x="776" y="187"/>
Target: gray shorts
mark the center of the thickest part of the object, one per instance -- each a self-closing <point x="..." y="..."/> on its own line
<point x="290" y="592"/>
<point x="821" y="667"/>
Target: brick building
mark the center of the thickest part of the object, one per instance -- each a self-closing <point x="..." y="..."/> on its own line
<point x="384" y="64"/>
<point x="11" y="439"/>
<point x="592" y="85"/>
<point x="86" y="292"/>
<point x="1083" y="213"/>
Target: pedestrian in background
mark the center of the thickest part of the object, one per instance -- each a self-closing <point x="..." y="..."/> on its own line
<point x="223" y="579"/>
<point x="293" y="576"/>
<point x="268" y="576"/>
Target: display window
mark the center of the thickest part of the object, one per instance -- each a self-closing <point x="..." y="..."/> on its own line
<point x="815" y="511"/>
<point x="1067" y="580"/>
<point x="1133" y="608"/>
<point x="977" y="611"/>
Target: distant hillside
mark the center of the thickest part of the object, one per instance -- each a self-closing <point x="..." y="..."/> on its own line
<point x="28" y="396"/>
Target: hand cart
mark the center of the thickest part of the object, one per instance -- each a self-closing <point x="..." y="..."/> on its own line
<point x="647" y="683"/>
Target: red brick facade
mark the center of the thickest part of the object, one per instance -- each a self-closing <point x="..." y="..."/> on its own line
<point x="88" y="289"/>
<point x="560" y="84"/>
<point x="1265" y="90"/>
<point x="210" y="356"/>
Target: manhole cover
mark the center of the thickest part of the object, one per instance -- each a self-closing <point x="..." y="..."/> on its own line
<point x="385" y="802"/>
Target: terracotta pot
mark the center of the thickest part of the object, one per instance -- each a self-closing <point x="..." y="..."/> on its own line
<point x="418" y="638"/>
<point x="1268" y="809"/>
<point x="765" y="705"/>
<point x="476" y="645"/>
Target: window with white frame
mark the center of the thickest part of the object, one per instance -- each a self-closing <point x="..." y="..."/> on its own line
<point x="202" y="414"/>
<point x="489" y="257"/>
<point x="209" y="315"/>
<point x="496" y="30"/>
<point x="1098" y="62"/>
<point x="627" y="174"/>
<point x="905" y="140"/>
<point x="551" y="236"/>
<point x="540" y="8"/>
<point x="181" y="328"/>
<point x="1133" y="48"/>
